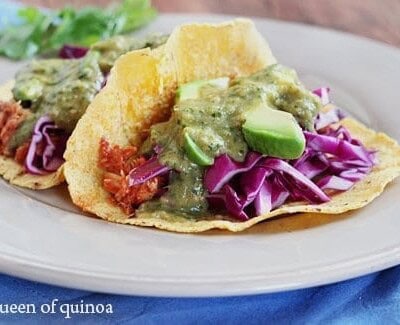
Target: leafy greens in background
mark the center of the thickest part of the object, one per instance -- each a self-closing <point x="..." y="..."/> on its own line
<point x="40" y="32"/>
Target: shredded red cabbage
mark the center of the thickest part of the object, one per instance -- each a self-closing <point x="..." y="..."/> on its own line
<point x="279" y="194"/>
<point x="333" y="160"/>
<point x="263" y="200"/>
<point x="44" y="155"/>
<point x="225" y="168"/>
<point x="72" y="52"/>
<point x="297" y="181"/>
<point x="151" y="168"/>
<point x="334" y="115"/>
<point x="104" y="83"/>
<point x="323" y="93"/>
<point x="343" y="149"/>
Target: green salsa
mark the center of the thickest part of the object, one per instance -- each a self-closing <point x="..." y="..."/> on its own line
<point x="214" y="122"/>
<point x="112" y="48"/>
<point x="63" y="89"/>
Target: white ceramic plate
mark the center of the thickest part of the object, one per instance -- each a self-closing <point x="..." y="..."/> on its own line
<point x="43" y="237"/>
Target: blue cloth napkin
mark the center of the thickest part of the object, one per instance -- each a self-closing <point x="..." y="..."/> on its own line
<point x="370" y="299"/>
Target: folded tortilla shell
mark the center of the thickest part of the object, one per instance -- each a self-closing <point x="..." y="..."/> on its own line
<point x="140" y="92"/>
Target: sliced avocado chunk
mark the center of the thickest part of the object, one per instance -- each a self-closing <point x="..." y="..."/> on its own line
<point x="191" y="90"/>
<point x="274" y="133"/>
<point x="194" y="152"/>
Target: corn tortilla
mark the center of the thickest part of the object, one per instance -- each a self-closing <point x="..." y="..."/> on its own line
<point x="140" y="92"/>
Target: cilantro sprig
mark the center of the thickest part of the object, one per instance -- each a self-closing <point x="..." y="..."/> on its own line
<point x="41" y="32"/>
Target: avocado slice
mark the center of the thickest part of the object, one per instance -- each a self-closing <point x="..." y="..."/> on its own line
<point x="191" y="90"/>
<point x="273" y="132"/>
<point x="194" y="152"/>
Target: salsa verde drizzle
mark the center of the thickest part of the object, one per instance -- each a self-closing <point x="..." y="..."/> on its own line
<point x="63" y="89"/>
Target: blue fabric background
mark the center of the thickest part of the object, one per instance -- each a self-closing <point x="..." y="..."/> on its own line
<point x="370" y="299"/>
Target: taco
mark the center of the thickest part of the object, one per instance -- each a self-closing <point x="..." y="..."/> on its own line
<point x="40" y="108"/>
<point x="208" y="131"/>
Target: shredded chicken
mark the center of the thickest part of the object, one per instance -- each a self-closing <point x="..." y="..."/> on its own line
<point x="117" y="163"/>
<point x="11" y="116"/>
<point x="21" y="153"/>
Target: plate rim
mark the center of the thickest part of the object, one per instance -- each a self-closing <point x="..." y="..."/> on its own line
<point x="362" y="265"/>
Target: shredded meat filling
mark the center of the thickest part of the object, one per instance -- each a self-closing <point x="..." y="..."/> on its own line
<point x="117" y="163"/>
<point x="11" y="116"/>
<point x="21" y="153"/>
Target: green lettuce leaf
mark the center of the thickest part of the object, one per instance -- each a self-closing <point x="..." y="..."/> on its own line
<point x="40" y="32"/>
